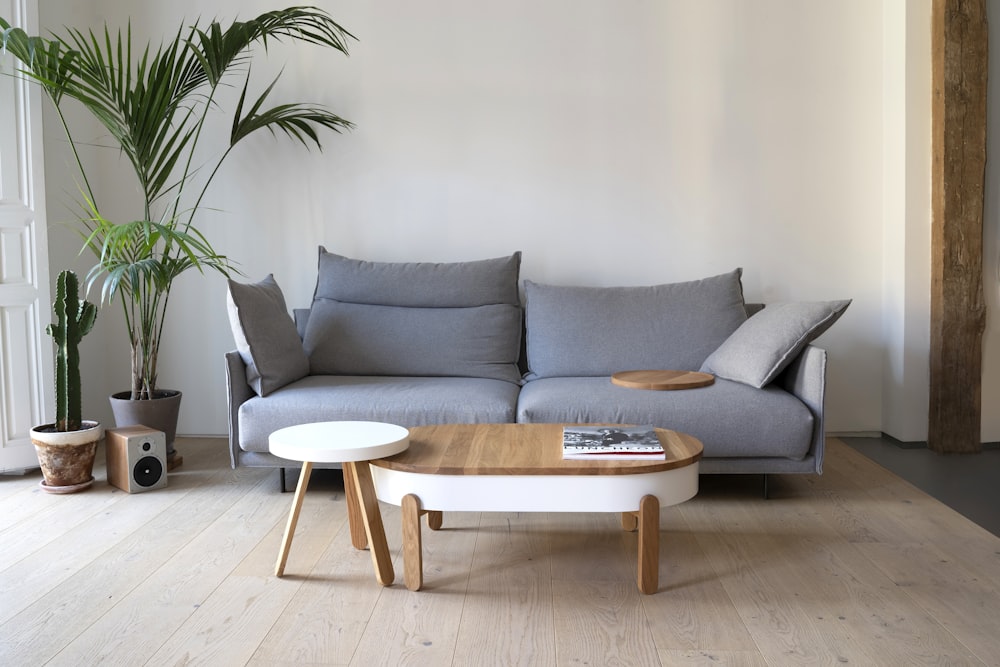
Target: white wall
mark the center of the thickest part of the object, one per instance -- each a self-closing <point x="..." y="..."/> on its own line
<point x="906" y="223"/>
<point x="613" y="143"/>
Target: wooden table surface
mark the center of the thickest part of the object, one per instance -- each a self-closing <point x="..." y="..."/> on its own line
<point x="521" y="449"/>
<point x="662" y="380"/>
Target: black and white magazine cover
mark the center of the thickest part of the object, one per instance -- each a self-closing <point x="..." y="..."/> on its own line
<point x="613" y="442"/>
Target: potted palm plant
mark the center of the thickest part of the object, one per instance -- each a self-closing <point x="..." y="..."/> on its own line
<point x="155" y="103"/>
<point x="66" y="448"/>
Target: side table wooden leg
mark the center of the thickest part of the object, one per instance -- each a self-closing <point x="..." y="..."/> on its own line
<point x="649" y="545"/>
<point x="372" y="519"/>
<point x="293" y="518"/>
<point x="630" y="521"/>
<point x="413" y="559"/>
<point x="434" y="519"/>
<point x="358" y="538"/>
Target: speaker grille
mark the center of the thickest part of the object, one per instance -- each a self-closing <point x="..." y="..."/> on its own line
<point x="147" y="471"/>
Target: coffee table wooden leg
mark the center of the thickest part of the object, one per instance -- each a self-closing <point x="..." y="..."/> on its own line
<point x="413" y="559"/>
<point x="434" y="519"/>
<point x="649" y="545"/>
<point x="358" y="538"/>
<point x="630" y="521"/>
<point x="372" y="519"/>
<point x="293" y="518"/>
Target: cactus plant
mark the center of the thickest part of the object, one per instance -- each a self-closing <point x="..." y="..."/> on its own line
<point x="74" y="320"/>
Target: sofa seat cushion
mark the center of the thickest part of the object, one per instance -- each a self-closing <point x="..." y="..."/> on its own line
<point x="730" y="418"/>
<point x="598" y="331"/>
<point x="406" y="401"/>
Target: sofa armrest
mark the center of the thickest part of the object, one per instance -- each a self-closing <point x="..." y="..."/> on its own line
<point x="238" y="392"/>
<point x="805" y="378"/>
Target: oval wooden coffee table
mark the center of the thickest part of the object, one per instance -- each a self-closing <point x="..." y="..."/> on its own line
<point x="352" y="443"/>
<point x="520" y="468"/>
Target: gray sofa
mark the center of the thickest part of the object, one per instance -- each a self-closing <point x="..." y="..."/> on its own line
<point x="422" y="343"/>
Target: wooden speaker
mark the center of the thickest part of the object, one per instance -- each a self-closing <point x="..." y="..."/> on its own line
<point x="137" y="458"/>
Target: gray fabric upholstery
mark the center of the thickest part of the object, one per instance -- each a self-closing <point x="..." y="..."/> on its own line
<point x="414" y="321"/>
<point x="265" y="335"/>
<point x="805" y="379"/>
<point x="766" y="343"/>
<point x="239" y="392"/>
<point x="397" y="400"/>
<point x="357" y="339"/>
<point x="460" y="319"/>
<point x="745" y="465"/>
<point x="598" y="331"/>
<point x="418" y="284"/>
<point x="301" y="317"/>
<point x="731" y="419"/>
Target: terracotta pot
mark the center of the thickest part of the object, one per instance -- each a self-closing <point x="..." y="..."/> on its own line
<point x="159" y="413"/>
<point x="67" y="457"/>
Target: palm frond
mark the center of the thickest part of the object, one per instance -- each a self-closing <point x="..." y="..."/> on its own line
<point x="307" y="24"/>
<point x="296" y="120"/>
<point x="144" y="252"/>
<point x="44" y="61"/>
<point x="218" y="50"/>
<point x="140" y="103"/>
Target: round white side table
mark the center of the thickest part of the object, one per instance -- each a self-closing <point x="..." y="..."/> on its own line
<point x="352" y="443"/>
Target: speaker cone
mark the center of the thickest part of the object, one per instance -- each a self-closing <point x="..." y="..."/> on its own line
<point x="147" y="471"/>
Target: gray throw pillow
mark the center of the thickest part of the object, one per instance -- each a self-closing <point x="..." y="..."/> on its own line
<point x="265" y="335"/>
<point x="766" y="343"/>
<point x="596" y="331"/>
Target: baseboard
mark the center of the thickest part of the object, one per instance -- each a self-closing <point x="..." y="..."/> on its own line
<point x="854" y="434"/>
<point x="902" y="444"/>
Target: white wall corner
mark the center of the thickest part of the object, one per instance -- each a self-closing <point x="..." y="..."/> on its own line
<point x="906" y="217"/>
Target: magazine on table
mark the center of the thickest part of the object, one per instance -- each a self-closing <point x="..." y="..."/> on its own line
<point x="612" y="442"/>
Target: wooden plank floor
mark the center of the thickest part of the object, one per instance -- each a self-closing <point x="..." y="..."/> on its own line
<point x="855" y="566"/>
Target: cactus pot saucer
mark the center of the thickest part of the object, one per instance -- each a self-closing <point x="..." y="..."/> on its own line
<point x="72" y="488"/>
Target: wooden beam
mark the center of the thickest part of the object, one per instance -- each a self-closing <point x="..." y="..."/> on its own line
<point x="959" y="49"/>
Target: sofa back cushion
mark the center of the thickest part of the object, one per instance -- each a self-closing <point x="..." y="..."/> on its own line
<point x="460" y="319"/>
<point x="419" y="284"/>
<point x="596" y="331"/>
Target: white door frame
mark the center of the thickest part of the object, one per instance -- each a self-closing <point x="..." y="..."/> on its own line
<point x="26" y="375"/>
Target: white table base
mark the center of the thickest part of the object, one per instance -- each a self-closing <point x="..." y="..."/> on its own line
<point x="637" y="496"/>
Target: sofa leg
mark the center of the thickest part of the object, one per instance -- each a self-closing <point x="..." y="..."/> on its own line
<point x="765" y="489"/>
<point x="281" y="476"/>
